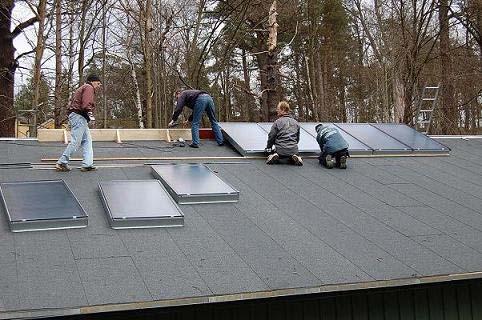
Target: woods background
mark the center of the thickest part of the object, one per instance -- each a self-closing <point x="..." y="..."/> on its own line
<point x="333" y="60"/>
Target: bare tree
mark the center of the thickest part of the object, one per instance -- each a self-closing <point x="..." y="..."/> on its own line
<point x="58" y="103"/>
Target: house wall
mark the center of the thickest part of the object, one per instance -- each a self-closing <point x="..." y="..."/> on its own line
<point x="443" y="301"/>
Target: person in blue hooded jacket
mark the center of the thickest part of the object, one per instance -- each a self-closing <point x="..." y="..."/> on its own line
<point x="334" y="149"/>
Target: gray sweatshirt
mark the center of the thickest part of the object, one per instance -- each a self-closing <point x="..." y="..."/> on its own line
<point x="284" y="135"/>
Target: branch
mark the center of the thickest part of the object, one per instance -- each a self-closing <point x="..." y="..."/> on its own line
<point x="22" y="26"/>
<point x="24" y="54"/>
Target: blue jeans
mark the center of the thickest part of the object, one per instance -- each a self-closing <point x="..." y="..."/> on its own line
<point x="80" y="137"/>
<point x="204" y="102"/>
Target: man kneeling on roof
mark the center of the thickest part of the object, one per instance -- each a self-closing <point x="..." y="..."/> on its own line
<point x="334" y="149"/>
<point x="284" y="135"/>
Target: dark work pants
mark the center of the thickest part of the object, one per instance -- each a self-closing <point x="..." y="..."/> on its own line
<point x="337" y="155"/>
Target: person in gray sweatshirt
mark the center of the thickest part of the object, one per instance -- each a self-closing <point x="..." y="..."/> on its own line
<point x="284" y="136"/>
<point x="334" y="149"/>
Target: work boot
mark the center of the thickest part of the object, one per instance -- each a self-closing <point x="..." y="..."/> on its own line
<point x="272" y="158"/>
<point x="297" y="160"/>
<point x="342" y="164"/>
<point x="329" y="163"/>
<point x="61" y="167"/>
<point x="90" y="168"/>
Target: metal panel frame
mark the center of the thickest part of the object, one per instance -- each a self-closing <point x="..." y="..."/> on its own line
<point x="387" y="152"/>
<point x="145" y="222"/>
<point x="185" y="198"/>
<point x="366" y="152"/>
<point x="444" y="151"/>
<point x="307" y="152"/>
<point x="238" y="147"/>
<point x="44" y="224"/>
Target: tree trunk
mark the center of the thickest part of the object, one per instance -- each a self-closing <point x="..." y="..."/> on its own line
<point x="82" y="41"/>
<point x="193" y="52"/>
<point x="58" y="65"/>
<point x="104" y="49"/>
<point x="271" y="64"/>
<point x="398" y="99"/>
<point x="138" y="95"/>
<point x="71" y="49"/>
<point x="39" y="52"/>
<point x="147" y="26"/>
<point x="7" y="71"/>
<point x="264" y="112"/>
<point x="311" y="89"/>
<point x="449" y="109"/>
<point x="247" y="80"/>
<point x="319" y="87"/>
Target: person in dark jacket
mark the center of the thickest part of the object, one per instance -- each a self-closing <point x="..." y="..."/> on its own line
<point x="81" y="108"/>
<point x="200" y="102"/>
<point x="284" y="136"/>
<point x="334" y="149"/>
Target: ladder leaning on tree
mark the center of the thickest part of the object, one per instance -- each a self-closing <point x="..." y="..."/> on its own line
<point x="426" y="108"/>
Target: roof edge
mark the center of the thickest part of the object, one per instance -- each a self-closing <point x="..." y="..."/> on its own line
<point x="346" y="287"/>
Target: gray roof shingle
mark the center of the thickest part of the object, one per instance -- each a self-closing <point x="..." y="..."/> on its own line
<point x="294" y="229"/>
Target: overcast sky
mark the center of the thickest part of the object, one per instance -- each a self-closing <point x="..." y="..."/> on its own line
<point x="23" y="43"/>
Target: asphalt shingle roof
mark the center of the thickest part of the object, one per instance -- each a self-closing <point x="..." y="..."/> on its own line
<point x="294" y="227"/>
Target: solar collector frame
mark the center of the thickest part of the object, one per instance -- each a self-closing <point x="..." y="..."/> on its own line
<point x="418" y="142"/>
<point x="41" y="205"/>
<point x="307" y="144"/>
<point x="193" y="183"/>
<point x="244" y="137"/>
<point x="356" y="147"/>
<point x="132" y="204"/>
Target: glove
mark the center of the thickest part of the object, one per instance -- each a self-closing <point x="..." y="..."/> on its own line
<point x="172" y="124"/>
<point x="90" y="114"/>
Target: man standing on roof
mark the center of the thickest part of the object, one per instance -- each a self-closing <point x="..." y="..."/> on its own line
<point x="284" y="135"/>
<point x="81" y="110"/>
<point x="334" y="149"/>
<point x="200" y="102"/>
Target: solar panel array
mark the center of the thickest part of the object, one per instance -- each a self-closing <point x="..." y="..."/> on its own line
<point x="50" y="204"/>
<point x="363" y="138"/>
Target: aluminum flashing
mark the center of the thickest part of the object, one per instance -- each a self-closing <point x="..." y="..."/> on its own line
<point x="307" y="142"/>
<point x="412" y="138"/>
<point x="139" y="204"/>
<point x="246" y="138"/>
<point x="41" y="205"/>
<point x="380" y="142"/>
<point x="194" y="183"/>
<point x="355" y="146"/>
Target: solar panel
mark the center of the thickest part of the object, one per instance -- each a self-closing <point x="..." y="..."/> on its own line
<point x="307" y="142"/>
<point x="355" y="146"/>
<point x="41" y="205"/>
<point x="412" y="138"/>
<point x="139" y="204"/>
<point x="380" y="142"/>
<point x="246" y="138"/>
<point x="194" y="183"/>
<point x="362" y="138"/>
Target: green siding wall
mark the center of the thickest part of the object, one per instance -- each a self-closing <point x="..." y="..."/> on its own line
<point x="448" y="301"/>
